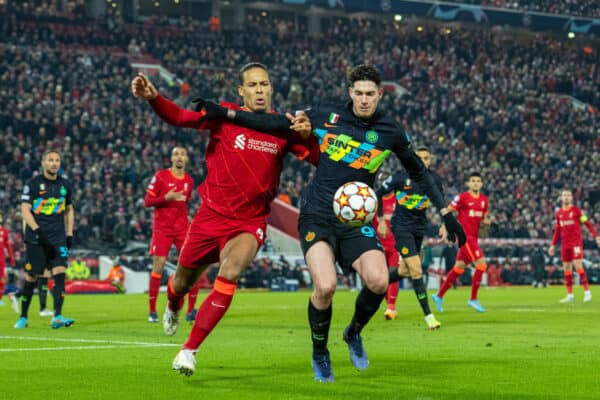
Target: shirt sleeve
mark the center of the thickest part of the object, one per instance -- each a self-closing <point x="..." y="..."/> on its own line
<point x="556" y="235"/>
<point x="26" y="195"/>
<point x="456" y="203"/>
<point x="154" y="192"/>
<point x="69" y="197"/>
<point x="174" y="115"/>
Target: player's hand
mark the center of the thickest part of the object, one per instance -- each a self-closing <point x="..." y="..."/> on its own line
<point x="143" y="88"/>
<point x="598" y="241"/>
<point x="382" y="229"/>
<point x="69" y="242"/>
<point x="209" y="110"/>
<point x="551" y="251"/>
<point x="300" y="123"/>
<point x="174" y="195"/>
<point x="454" y="229"/>
<point x="443" y="233"/>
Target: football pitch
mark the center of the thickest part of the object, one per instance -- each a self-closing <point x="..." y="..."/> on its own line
<point x="526" y="346"/>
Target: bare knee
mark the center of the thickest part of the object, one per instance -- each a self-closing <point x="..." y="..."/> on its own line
<point x="324" y="292"/>
<point x="378" y="284"/>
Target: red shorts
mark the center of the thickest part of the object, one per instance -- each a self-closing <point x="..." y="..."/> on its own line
<point x="568" y="254"/>
<point x="209" y="232"/>
<point x="161" y="243"/>
<point x="391" y="257"/>
<point x="469" y="252"/>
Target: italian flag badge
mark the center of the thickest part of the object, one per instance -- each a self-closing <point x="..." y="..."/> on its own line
<point x="333" y="118"/>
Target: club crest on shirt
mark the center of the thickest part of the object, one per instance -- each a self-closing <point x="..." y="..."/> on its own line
<point x="310" y="236"/>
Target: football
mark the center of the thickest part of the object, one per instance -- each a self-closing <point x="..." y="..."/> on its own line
<point x="355" y="203"/>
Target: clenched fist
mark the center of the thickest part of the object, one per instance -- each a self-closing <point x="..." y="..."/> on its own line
<point x="142" y="87"/>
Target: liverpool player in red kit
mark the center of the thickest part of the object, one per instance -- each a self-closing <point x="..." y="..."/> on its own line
<point x="243" y="169"/>
<point x="388" y="204"/>
<point x="169" y="192"/>
<point x="472" y="208"/>
<point x="568" y="229"/>
<point x="4" y="245"/>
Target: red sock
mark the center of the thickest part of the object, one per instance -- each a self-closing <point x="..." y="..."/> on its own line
<point x="2" y="286"/>
<point x="450" y="278"/>
<point x="175" y="299"/>
<point x="392" y="293"/>
<point x="210" y="312"/>
<point x="153" y="288"/>
<point x="583" y="279"/>
<point x="569" y="281"/>
<point x="476" y="283"/>
<point x="192" y="296"/>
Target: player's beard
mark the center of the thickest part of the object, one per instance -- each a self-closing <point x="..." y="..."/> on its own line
<point x="50" y="173"/>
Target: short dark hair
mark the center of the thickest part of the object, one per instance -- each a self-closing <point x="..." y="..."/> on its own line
<point x="365" y="72"/>
<point x="46" y="152"/>
<point x="250" y="66"/>
<point x="475" y="174"/>
<point x="423" y="148"/>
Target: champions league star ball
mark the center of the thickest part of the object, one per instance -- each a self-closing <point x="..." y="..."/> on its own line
<point x="355" y="203"/>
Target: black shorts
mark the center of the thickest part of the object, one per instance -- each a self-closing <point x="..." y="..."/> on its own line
<point x="348" y="243"/>
<point x="40" y="258"/>
<point x="408" y="244"/>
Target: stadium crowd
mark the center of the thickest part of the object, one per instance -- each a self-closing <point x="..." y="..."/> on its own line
<point x="581" y="8"/>
<point x="482" y="99"/>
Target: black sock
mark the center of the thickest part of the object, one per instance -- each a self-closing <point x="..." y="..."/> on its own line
<point x="421" y="293"/>
<point x="367" y="304"/>
<point x="43" y="292"/>
<point x="394" y="276"/>
<point x="58" y="293"/>
<point x="25" y="297"/>
<point x="319" y="321"/>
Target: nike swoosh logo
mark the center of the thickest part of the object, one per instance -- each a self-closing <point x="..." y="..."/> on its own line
<point x="212" y="303"/>
<point x="326" y="125"/>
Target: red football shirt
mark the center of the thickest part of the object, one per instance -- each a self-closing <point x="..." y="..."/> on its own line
<point x="170" y="217"/>
<point x="5" y="244"/>
<point x="471" y="210"/>
<point x="568" y="226"/>
<point x="243" y="165"/>
<point x="388" y="205"/>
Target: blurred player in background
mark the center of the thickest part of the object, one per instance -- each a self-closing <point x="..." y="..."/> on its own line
<point x="49" y="215"/>
<point x="169" y="192"/>
<point x="408" y="226"/>
<point x="473" y="209"/>
<point x="5" y="249"/>
<point x="568" y="229"/>
<point x="387" y="204"/>
<point x="244" y="168"/>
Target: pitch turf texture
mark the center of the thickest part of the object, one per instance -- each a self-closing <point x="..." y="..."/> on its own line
<point x="527" y="346"/>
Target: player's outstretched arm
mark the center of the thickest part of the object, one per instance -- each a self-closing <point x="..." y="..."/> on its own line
<point x="168" y="111"/>
<point x="264" y="122"/>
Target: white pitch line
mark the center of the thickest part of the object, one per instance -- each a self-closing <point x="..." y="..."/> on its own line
<point x="74" y="348"/>
<point x="75" y="340"/>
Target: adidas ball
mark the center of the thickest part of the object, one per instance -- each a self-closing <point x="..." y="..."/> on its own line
<point x="355" y="203"/>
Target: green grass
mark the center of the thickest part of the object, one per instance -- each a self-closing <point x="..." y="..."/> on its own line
<point x="527" y="346"/>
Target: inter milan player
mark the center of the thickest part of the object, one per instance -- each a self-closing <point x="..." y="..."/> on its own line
<point x="48" y="212"/>
<point x="169" y="192"/>
<point x="568" y="229"/>
<point x="408" y="226"/>
<point x="472" y="207"/>
<point x="243" y="169"/>
<point x="354" y="140"/>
